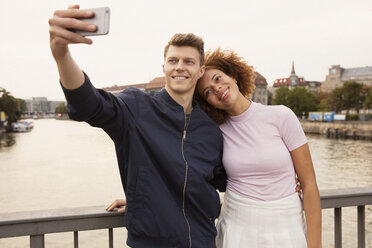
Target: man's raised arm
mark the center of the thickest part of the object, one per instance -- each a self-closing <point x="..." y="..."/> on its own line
<point x="70" y="74"/>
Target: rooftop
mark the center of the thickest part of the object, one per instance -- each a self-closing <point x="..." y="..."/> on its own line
<point x="358" y="71"/>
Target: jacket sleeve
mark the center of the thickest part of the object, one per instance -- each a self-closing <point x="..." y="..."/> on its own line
<point x="219" y="180"/>
<point x="98" y="108"/>
<point x="219" y="174"/>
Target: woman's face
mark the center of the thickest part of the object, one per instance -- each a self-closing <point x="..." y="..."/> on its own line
<point x="218" y="89"/>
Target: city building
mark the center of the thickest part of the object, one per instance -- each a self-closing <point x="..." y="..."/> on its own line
<point x="41" y="105"/>
<point x="337" y="76"/>
<point x="259" y="95"/>
<point x="154" y="85"/>
<point x="295" y="81"/>
<point x="260" y="92"/>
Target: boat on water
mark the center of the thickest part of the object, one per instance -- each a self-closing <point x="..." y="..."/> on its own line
<point x="22" y="126"/>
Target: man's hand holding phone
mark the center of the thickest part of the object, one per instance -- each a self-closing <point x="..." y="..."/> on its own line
<point x="63" y="30"/>
<point x="70" y="26"/>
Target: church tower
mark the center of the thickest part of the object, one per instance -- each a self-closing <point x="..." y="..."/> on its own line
<point x="293" y="78"/>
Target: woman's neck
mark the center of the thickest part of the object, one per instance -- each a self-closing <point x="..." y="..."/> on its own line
<point x="241" y="105"/>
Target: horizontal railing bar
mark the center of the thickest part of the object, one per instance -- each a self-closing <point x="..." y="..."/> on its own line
<point x="55" y="214"/>
<point x="337" y="198"/>
<point x="66" y="220"/>
<point x="93" y="218"/>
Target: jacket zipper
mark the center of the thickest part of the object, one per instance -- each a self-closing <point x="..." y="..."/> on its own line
<point x="187" y="121"/>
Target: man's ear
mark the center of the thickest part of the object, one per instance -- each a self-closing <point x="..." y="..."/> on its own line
<point x="202" y="70"/>
<point x="163" y="68"/>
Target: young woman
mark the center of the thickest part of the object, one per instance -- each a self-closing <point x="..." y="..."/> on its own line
<point x="264" y="149"/>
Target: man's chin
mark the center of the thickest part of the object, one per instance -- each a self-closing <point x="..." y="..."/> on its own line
<point x="181" y="90"/>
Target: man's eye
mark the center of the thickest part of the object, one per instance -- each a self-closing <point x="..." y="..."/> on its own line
<point x="171" y="61"/>
<point x="218" y="78"/>
<point x="190" y="62"/>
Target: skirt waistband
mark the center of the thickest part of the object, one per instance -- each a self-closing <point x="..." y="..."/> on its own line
<point x="291" y="201"/>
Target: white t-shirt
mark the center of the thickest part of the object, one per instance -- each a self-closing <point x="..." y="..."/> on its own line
<point x="256" y="156"/>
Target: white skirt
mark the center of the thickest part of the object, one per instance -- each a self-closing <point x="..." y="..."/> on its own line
<point x="247" y="223"/>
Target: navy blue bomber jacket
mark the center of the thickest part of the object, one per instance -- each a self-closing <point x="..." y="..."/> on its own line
<point x="170" y="165"/>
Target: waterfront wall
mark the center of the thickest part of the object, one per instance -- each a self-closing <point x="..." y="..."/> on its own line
<point x="339" y="129"/>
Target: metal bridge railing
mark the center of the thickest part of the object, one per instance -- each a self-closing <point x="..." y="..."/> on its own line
<point x="36" y="224"/>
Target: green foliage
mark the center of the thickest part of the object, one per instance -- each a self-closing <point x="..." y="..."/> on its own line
<point x="323" y="106"/>
<point x="301" y="100"/>
<point x="61" y="109"/>
<point x="352" y="117"/>
<point x="353" y="97"/>
<point x="10" y="105"/>
<point x="349" y="96"/>
<point x="22" y="105"/>
<point x="322" y="101"/>
<point x="368" y="102"/>
<point x="337" y="100"/>
<point x="281" y="96"/>
<point x="269" y="98"/>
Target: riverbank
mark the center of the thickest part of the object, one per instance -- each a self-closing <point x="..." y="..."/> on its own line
<point x="339" y="129"/>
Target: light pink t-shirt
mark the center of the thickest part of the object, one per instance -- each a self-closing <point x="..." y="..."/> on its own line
<point x="256" y="154"/>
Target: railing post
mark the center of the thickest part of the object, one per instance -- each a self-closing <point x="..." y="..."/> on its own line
<point x="361" y="227"/>
<point x="76" y="239"/>
<point x="111" y="238"/>
<point x="37" y="241"/>
<point x="338" y="228"/>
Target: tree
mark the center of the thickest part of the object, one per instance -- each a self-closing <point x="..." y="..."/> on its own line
<point x="269" y="98"/>
<point x="349" y="96"/>
<point x="368" y="102"/>
<point x="323" y="105"/>
<point x="323" y="101"/>
<point x="9" y="105"/>
<point x="300" y="100"/>
<point x="281" y="95"/>
<point x="336" y="100"/>
<point x="61" y="109"/>
<point x="353" y="98"/>
<point x="22" y="105"/>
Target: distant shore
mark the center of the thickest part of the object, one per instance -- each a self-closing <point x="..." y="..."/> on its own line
<point x="339" y="129"/>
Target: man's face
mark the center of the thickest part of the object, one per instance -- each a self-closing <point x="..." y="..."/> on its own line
<point x="182" y="69"/>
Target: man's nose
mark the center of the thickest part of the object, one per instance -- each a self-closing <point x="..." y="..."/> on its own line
<point x="180" y="65"/>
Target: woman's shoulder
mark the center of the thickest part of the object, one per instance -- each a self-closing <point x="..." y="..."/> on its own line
<point x="275" y="113"/>
<point x="273" y="109"/>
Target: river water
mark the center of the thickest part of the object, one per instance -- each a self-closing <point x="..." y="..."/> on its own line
<point x="63" y="164"/>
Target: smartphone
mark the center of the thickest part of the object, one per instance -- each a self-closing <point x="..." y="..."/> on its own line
<point x="101" y="19"/>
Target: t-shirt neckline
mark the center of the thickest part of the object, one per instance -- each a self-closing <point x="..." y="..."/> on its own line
<point x="245" y="115"/>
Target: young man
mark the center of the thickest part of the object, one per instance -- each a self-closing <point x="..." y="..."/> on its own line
<point x="169" y="152"/>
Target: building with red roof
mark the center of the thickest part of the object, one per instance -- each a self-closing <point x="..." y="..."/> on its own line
<point x="295" y="81"/>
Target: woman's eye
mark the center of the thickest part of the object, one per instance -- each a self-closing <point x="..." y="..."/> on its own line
<point x="208" y="92"/>
<point x="218" y="78"/>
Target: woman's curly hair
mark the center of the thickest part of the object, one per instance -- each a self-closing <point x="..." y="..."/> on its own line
<point x="234" y="66"/>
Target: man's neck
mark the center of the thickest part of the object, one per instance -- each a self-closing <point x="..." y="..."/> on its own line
<point x="185" y="100"/>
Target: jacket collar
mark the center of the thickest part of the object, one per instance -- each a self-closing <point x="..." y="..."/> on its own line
<point x="171" y="102"/>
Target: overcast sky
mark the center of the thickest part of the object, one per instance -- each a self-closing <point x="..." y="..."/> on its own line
<point x="269" y="34"/>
